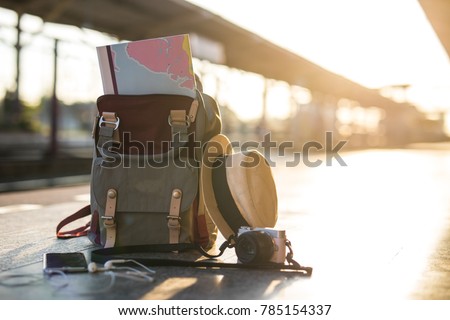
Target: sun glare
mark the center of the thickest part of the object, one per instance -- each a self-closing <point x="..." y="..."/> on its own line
<point x="374" y="43"/>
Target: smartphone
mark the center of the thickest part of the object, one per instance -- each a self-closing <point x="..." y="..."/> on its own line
<point x="66" y="262"/>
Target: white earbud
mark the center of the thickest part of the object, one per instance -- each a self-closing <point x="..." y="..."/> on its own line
<point x="131" y="273"/>
<point x="93" y="267"/>
<point x="109" y="263"/>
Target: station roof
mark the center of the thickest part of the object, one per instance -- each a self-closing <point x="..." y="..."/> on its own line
<point x="142" y="19"/>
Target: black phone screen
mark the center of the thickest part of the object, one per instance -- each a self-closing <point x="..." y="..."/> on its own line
<point x="66" y="262"/>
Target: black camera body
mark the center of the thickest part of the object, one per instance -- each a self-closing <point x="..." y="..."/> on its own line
<point x="260" y="245"/>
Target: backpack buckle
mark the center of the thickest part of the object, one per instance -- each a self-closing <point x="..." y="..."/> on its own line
<point x="173" y="218"/>
<point x="108" y="221"/>
<point x="186" y="122"/>
<point x="115" y="123"/>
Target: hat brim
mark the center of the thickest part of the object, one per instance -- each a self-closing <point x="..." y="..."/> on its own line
<point x="250" y="182"/>
<point x="217" y="146"/>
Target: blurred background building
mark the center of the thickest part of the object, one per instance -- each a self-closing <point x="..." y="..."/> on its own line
<point x="262" y="70"/>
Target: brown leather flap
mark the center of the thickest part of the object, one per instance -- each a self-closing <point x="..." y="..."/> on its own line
<point x="144" y="127"/>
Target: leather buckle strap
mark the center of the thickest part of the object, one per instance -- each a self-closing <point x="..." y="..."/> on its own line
<point x="179" y="122"/>
<point x="109" y="223"/>
<point x="108" y="135"/>
<point x="193" y="110"/>
<point x="173" y="219"/>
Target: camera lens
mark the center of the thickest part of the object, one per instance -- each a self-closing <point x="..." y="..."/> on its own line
<point x="254" y="247"/>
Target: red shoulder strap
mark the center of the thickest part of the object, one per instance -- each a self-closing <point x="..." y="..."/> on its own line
<point x="201" y="234"/>
<point x="78" y="232"/>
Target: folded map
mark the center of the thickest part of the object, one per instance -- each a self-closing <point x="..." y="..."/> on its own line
<point x="160" y="65"/>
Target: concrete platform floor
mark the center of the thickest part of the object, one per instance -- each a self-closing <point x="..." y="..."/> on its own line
<point x="378" y="228"/>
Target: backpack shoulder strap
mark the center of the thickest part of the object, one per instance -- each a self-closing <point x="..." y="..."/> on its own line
<point x="134" y="253"/>
<point x="78" y="232"/>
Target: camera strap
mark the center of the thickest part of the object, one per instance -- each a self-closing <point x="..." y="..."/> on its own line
<point x="137" y="253"/>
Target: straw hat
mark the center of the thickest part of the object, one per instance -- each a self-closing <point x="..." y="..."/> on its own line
<point x="238" y="188"/>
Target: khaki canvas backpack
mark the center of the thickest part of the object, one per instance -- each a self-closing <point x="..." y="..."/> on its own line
<point x="145" y="171"/>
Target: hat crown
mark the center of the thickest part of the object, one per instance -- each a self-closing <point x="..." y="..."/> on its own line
<point x="253" y="189"/>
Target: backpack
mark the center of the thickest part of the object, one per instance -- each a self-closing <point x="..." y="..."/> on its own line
<point x="145" y="171"/>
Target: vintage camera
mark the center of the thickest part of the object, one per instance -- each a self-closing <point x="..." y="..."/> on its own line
<point x="260" y="245"/>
